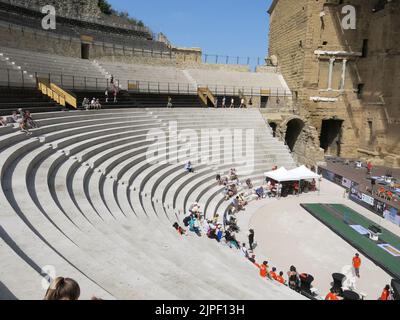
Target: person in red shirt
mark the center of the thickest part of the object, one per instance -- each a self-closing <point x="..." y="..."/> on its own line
<point x="369" y="167"/>
<point x="264" y="269"/>
<point x="273" y="274"/>
<point x="280" y="278"/>
<point x="357" y="264"/>
<point x="332" y="295"/>
<point x="385" y="293"/>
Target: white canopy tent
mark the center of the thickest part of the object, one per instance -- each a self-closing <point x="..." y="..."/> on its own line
<point x="278" y="175"/>
<point x="303" y="173"/>
<point x="299" y="174"/>
<point x="283" y="175"/>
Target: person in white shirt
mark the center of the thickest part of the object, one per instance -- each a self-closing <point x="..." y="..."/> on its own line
<point x="98" y="105"/>
<point x="224" y="102"/>
<point x="232" y="103"/>
<point x="244" y="250"/>
<point x="242" y="103"/>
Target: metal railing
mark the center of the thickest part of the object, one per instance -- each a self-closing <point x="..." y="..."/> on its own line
<point x="18" y="78"/>
<point x="232" y="60"/>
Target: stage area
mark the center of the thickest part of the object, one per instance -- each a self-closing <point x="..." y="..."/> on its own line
<point x="288" y="235"/>
<point x="354" y="228"/>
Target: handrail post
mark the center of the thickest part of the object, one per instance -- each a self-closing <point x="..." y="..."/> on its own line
<point x="23" y="80"/>
<point x="84" y="78"/>
<point x="62" y="82"/>
<point x="8" y="77"/>
<point x="96" y="83"/>
<point x="73" y="82"/>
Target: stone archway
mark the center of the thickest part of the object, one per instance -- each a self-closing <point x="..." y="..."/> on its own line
<point x="294" y="128"/>
<point x="302" y="139"/>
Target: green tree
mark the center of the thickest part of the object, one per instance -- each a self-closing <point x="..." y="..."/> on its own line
<point x="105" y="7"/>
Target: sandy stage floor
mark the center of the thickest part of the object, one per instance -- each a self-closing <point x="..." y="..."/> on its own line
<point x="288" y="235"/>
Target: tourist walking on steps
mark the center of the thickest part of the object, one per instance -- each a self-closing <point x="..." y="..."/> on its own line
<point x="251" y="239"/>
<point x="232" y="103"/>
<point x="106" y="95"/>
<point x="357" y="264"/>
<point x="224" y="102"/>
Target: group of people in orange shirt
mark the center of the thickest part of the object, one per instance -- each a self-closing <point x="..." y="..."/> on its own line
<point x="386" y="293"/>
<point x="272" y="275"/>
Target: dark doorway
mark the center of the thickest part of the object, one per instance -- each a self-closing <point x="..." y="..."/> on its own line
<point x="331" y="136"/>
<point x="294" y="129"/>
<point x="85" y="51"/>
<point x="264" y="101"/>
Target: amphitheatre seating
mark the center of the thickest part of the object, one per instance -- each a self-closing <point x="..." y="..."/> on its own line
<point x="65" y="71"/>
<point x="12" y="99"/>
<point x="139" y="100"/>
<point x="160" y="100"/>
<point x="152" y="78"/>
<point x="229" y="82"/>
<point x="171" y="79"/>
<point x="80" y="195"/>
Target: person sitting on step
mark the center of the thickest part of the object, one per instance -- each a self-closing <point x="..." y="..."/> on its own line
<point x="189" y="167"/>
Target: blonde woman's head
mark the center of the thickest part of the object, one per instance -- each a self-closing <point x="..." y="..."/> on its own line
<point x="63" y="289"/>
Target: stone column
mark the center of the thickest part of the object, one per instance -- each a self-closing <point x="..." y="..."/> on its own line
<point x="342" y="86"/>
<point x="331" y="62"/>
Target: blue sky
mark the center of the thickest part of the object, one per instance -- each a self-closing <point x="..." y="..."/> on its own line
<point x="225" y="27"/>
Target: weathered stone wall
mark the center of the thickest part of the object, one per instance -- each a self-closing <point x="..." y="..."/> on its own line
<point x="370" y="127"/>
<point x="26" y="39"/>
<point x="75" y="9"/>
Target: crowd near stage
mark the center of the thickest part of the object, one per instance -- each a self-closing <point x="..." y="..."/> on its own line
<point x="377" y="190"/>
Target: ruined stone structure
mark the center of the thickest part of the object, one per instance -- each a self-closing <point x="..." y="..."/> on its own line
<point x="346" y="81"/>
<point x="76" y="9"/>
